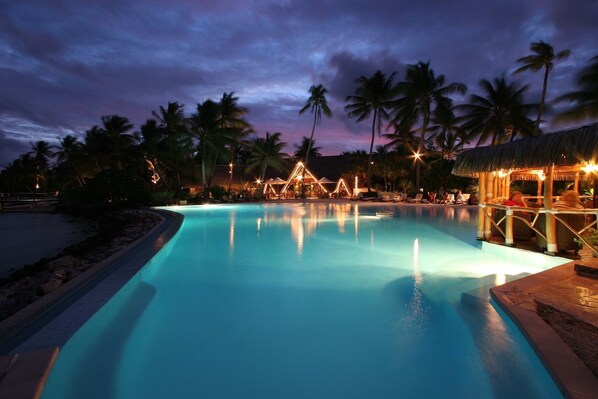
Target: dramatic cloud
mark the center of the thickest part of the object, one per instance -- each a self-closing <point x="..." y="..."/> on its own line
<point x="65" y="63"/>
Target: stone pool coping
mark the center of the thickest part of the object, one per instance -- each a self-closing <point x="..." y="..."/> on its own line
<point x="572" y="376"/>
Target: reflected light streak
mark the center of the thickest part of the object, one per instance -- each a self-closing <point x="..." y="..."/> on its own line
<point x="231" y="234"/>
<point x="259" y="226"/>
<point x="356" y="223"/>
<point x="417" y="313"/>
<point x="417" y="276"/>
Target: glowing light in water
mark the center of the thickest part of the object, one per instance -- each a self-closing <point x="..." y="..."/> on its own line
<point x="259" y="226"/>
<point x="231" y="234"/>
<point x="416" y="309"/>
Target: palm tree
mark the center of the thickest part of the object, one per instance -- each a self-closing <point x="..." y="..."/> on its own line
<point x="498" y="115"/>
<point x="97" y="147"/>
<point x="205" y="128"/>
<point x="116" y="128"/>
<point x="544" y="57"/>
<point x="171" y="118"/>
<point x="420" y="93"/>
<point x="449" y="137"/>
<point x="586" y="98"/>
<point x="233" y="122"/>
<point x="41" y="151"/>
<point x="373" y="97"/>
<point x="266" y="152"/>
<point x="317" y="105"/>
<point x="307" y="148"/>
<point x="171" y="138"/>
<point x="71" y="159"/>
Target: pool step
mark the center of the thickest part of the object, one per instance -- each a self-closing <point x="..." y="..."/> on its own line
<point x="480" y="295"/>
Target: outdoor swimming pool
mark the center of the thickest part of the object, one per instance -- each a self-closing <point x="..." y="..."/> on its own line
<point x="309" y="300"/>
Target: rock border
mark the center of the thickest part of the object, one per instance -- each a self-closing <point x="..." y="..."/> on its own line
<point x="14" y="327"/>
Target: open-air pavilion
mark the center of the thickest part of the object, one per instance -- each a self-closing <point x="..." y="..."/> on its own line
<point x="570" y="155"/>
<point x="301" y="178"/>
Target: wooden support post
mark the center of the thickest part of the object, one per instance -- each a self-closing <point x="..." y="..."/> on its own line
<point x="507" y="187"/>
<point x="489" y="199"/>
<point x="539" y="194"/>
<point x="509" y="228"/>
<point x="551" y="246"/>
<point x="576" y="184"/>
<point x="481" y="209"/>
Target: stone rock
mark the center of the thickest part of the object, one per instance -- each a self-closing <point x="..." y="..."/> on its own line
<point x="49" y="286"/>
<point x="60" y="274"/>
<point x="66" y="262"/>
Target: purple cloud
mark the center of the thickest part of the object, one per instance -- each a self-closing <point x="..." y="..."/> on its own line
<point x="64" y="64"/>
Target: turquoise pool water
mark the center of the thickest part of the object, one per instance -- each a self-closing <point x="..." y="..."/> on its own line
<point x="309" y="301"/>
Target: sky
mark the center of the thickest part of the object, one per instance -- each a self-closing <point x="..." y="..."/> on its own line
<point x="66" y="63"/>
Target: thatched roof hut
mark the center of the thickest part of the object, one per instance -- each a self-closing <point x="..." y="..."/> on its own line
<point x="564" y="155"/>
<point x="562" y="149"/>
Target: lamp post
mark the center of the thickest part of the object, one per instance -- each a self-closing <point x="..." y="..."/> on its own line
<point x="230" y="175"/>
<point x="417" y="157"/>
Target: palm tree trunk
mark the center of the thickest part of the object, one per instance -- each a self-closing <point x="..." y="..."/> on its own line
<point x="369" y="169"/>
<point x="203" y="175"/>
<point x="263" y="177"/>
<point x="541" y="107"/>
<point x="311" y="138"/>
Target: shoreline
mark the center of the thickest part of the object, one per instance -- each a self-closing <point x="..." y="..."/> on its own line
<point x="28" y="236"/>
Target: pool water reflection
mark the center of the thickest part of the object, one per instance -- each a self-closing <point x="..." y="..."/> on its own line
<point x="309" y="300"/>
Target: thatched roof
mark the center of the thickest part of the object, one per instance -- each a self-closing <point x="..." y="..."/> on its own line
<point x="563" y="148"/>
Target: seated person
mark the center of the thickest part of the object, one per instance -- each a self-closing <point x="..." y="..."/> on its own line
<point x="473" y="199"/>
<point x="445" y="198"/>
<point x="569" y="200"/>
<point x="459" y="199"/>
<point x="515" y="199"/>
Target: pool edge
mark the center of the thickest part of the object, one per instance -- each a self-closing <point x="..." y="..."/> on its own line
<point x="571" y="375"/>
<point x="20" y="327"/>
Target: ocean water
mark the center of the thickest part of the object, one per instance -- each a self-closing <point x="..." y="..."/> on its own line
<point x="26" y="237"/>
<point x="309" y="301"/>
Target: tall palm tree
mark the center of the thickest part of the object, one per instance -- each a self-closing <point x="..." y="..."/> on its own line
<point x="205" y="128"/>
<point x="544" y="57"/>
<point x="421" y="93"/>
<point x="116" y="128"/>
<point x="171" y="118"/>
<point x="173" y="146"/>
<point x="317" y="105"/>
<point x="97" y="147"/>
<point x="498" y="115"/>
<point x="266" y="152"/>
<point x="234" y="124"/>
<point x="306" y="148"/>
<point x="42" y="151"/>
<point x="585" y="98"/>
<point x="373" y="97"/>
<point x="449" y="137"/>
<point x="71" y="160"/>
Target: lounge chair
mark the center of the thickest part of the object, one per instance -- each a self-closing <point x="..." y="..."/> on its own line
<point x="416" y="200"/>
<point x="400" y="198"/>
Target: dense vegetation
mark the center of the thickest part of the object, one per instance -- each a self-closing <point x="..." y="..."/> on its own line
<point x="112" y="163"/>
